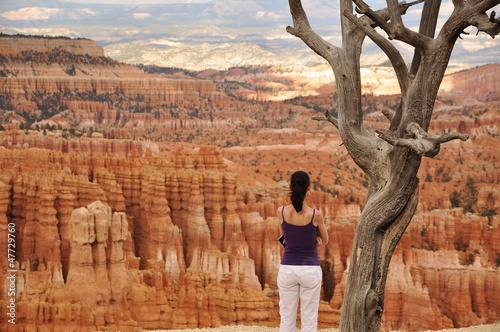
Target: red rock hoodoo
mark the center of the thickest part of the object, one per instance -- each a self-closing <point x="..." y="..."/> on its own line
<point x="141" y="201"/>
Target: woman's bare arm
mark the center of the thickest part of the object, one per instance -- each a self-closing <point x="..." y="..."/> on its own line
<point x="322" y="232"/>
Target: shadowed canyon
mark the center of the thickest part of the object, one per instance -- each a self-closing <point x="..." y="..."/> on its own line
<point x="136" y="198"/>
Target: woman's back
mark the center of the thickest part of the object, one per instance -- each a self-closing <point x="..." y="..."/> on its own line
<point x="300" y="237"/>
<point x="298" y="218"/>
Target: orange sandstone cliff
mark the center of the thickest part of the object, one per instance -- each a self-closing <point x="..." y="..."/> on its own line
<point x="135" y="201"/>
<point x="125" y="243"/>
<point x="169" y="242"/>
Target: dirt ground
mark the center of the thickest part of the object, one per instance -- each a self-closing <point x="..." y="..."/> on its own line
<point x="237" y="328"/>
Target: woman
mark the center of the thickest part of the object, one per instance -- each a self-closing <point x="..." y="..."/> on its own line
<point x="300" y="276"/>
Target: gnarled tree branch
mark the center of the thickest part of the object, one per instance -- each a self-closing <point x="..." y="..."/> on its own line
<point x="328" y="117"/>
<point x="472" y="13"/>
<point x="389" y="114"/>
<point x="395" y="28"/>
<point x="380" y="18"/>
<point x="302" y="29"/>
<point x="392" y="53"/>
<point x="419" y="140"/>
<point x="489" y="25"/>
<point x="428" y="22"/>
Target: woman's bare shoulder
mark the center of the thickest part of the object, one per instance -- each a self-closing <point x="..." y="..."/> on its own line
<point x="318" y="217"/>
<point x="281" y="210"/>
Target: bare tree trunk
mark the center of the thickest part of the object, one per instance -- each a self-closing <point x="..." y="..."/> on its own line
<point x="371" y="254"/>
<point x="391" y="159"/>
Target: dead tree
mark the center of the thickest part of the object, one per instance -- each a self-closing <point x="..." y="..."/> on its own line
<point x="389" y="158"/>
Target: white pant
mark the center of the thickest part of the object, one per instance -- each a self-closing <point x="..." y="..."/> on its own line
<point x="299" y="282"/>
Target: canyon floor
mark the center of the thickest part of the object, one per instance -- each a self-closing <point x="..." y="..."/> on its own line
<point x="237" y="328"/>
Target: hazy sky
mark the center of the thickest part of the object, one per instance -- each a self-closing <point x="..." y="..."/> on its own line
<point x="374" y="3"/>
<point x="261" y="22"/>
<point x="134" y="2"/>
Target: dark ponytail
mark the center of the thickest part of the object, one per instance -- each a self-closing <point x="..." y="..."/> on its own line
<point x="299" y="183"/>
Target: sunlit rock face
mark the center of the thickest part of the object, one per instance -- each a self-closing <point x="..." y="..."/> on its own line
<point x="17" y="44"/>
<point x="143" y="242"/>
<point x="110" y="235"/>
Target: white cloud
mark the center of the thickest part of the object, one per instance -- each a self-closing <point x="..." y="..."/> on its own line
<point x="260" y="14"/>
<point x="32" y="13"/>
<point x="141" y="16"/>
<point x="478" y="43"/>
<point x="264" y="14"/>
<point x="446" y="8"/>
<point x="234" y="7"/>
<point x="89" y="12"/>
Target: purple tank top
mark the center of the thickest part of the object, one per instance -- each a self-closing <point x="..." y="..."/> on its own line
<point x="300" y="243"/>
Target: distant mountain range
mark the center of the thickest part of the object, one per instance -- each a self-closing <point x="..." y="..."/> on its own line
<point x="214" y="34"/>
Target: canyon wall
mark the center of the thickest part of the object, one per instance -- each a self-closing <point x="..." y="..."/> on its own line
<point x="18" y="44"/>
<point x="130" y="243"/>
<point x="139" y="201"/>
<point x="114" y="242"/>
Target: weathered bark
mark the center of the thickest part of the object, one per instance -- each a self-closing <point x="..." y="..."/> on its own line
<point x="392" y="158"/>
